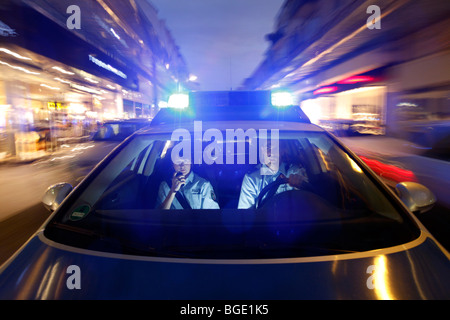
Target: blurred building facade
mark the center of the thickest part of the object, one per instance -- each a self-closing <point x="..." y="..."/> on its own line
<point x="64" y="69"/>
<point x="353" y="70"/>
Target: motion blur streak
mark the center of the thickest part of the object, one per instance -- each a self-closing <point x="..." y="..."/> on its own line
<point x="390" y="172"/>
<point x="382" y="287"/>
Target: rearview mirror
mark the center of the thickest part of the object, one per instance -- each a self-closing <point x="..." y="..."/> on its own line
<point x="55" y="194"/>
<point x="416" y="197"/>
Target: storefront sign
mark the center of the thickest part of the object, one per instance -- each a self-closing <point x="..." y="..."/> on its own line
<point x="107" y="67"/>
<point x="6" y="31"/>
<point x="57" y="106"/>
<point x="37" y="33"/>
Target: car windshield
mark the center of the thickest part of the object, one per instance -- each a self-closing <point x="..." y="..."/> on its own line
<point x="229" y="199"/>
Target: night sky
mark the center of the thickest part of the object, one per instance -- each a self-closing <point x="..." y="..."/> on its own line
<point x="222" y="41"/>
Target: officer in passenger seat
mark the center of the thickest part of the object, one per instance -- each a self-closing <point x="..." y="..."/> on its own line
<point x="187" y="191"/>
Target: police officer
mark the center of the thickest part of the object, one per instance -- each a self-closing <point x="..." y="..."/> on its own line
<point x="196" y="191"/>
<point x="268" y="172"/>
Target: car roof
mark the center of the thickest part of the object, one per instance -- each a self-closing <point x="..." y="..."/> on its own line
<point x="190" y="126"/>
<point x="224" y="106"/>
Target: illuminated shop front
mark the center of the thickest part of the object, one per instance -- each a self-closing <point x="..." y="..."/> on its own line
<point x="54" y="87"/>
<point x="355" y="105"/>
<point x="45" y="104"/>
<point x="396" y="102"/>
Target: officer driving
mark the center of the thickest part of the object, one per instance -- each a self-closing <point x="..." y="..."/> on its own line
<point x="270" y="170"/>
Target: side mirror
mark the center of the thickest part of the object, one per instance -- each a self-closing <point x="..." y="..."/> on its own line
<point x="55" y="194"/>
<point x="416" y="197"/>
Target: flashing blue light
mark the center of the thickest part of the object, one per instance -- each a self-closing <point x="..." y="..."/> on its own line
<point x="178" y="101"/>
<point x="282" y="99"/>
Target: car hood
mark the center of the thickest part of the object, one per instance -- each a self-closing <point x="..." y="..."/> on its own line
<point x="88" y="155"/>
<point x="92" y="152"/>
<point x="47" y="270"/>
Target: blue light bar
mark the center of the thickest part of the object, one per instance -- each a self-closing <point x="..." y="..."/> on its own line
<point x="282" y="99"/>
<point x="178" y="101"/>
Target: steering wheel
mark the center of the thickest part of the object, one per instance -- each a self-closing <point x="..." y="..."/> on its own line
<point x="270" y="190"/>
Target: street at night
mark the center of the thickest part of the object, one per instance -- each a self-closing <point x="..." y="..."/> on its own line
<point x="224" y="151"/>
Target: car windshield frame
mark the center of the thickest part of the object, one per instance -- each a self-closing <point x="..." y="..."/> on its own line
<point x="79" y="234"/>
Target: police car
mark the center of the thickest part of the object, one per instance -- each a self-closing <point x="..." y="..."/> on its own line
<point x="108" y="135"/>
<point x="231" y="195"/>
